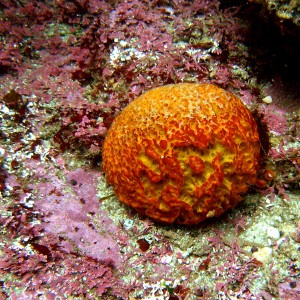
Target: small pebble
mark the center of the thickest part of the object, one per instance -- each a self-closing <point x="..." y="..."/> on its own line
<point x="273" y="233"/>
<point x="263" y="255"/>
<point x="2" y="151"/>
<point x="267" y="99"/>
<point x="143" y="244"/>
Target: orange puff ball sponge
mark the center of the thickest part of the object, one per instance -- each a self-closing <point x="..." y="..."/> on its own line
<point x="182" y="153"/>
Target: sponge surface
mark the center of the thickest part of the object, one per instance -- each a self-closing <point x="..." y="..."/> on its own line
<point x="182" y="153"/>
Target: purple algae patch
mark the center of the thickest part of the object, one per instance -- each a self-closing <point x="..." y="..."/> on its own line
<point x="71" y="212"/>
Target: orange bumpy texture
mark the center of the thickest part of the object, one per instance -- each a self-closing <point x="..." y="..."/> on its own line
<point x="182" y="153"/>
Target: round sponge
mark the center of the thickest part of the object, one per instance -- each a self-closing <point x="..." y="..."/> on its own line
<point x="182" y="153"/>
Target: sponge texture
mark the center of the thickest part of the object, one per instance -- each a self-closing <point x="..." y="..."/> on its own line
<point x="182" y="153"/>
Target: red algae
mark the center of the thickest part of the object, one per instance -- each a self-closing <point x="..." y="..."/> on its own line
<point x="67" y="69"/>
